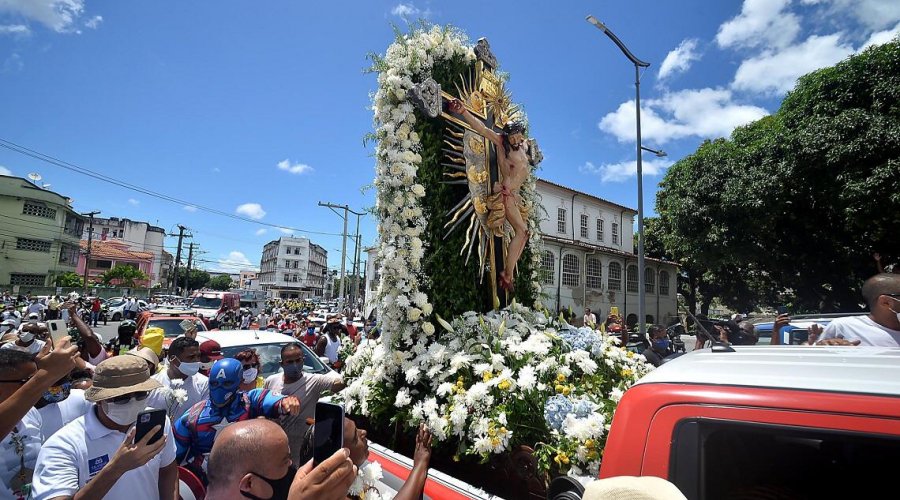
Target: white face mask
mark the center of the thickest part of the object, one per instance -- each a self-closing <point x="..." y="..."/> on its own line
<point x="189" y="369"/>
<point x="125" y="413"/>
<point x="250" y="375"/>
<point x="26" y="337"/>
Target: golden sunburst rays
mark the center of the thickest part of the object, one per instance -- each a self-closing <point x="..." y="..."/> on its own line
<point x="468" y="90"/>
<point x="499" y="100"/>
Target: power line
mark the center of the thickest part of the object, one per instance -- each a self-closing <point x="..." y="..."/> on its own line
<point x="101" y="177"/>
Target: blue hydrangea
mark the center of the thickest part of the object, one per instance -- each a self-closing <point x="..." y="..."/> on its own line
<point x="580" y="338"/>
<point x="558" y="407"/>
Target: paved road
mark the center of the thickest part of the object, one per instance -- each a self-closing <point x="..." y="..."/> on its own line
<point x="107" y="332"/>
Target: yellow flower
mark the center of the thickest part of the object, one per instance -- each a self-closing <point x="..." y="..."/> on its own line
<point x="627" y="373"/>
<point x="487" y="376"/>
<point x="566" y="391"/>
<point x="589" y="443"/>
<point x="630" y="354"/>
<point x="503" y="385"/>
<point x="560" y="388"/>
<point x="561" y="458"/>
<point x="560" y="378"/>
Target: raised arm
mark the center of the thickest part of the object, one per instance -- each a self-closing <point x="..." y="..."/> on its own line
<point x="91" y="344"/>
<point x="456" y="106"/>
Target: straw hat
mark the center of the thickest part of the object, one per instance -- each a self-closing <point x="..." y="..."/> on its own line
<point x="632" y="488"/>
<point x="118" y="376"/>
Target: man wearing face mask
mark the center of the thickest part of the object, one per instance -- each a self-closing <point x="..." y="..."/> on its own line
<point x="26" y="341"/>
<point x="210" y="352"/>
<point x="307" y="387"/>
<point x="881" y="327"/>
<point x="60" y="405"/>
<point x="96" y="456"/>
<point x="181" y="373"/>
<point x="196" y="429"/>
<point x="8" y="331"/>
<point x="660" y="346"/>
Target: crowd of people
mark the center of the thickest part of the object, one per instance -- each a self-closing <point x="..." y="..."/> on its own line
<point x="68" y="411"/>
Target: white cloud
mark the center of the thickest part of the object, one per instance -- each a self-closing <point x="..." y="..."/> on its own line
<point x="235" y="260"/>
<point x="285" y="230"/>
<point x="253" y="210"/>
<point x="698" y="112"/>
<point x="133" y="202"/>
<point x="297" y="168"/>
<point x="777" y="71"/>
<point x="94" y="22"/>
<point x="405" y="10"/>
<point x="5" y="171"/>
<point x="680" y="59"/>
<point x="261" y="231"/>
<point x="761" y="22"/>
<point x="874" y="14"/>
<point x="14" y="29"/>
<point x="58" y="15"/>
<point x="190" y="208"/>
<point x="882" y="37"/>
<point x="619" y="172"/>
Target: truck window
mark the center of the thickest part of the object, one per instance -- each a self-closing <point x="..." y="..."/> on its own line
<point x="712" y="459"/>
<point x="207" y="302"/>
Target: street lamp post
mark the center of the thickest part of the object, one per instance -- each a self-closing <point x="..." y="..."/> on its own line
<point x="638" y="64"/>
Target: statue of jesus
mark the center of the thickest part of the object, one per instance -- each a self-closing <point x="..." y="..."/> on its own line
<point x="512" y="160"/>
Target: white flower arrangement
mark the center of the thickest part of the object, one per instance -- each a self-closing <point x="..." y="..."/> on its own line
<point x="175" y="395"/>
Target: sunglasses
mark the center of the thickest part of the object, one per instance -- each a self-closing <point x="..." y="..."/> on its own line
<point x="254" y="365"/>
<point x="137" y="396"/>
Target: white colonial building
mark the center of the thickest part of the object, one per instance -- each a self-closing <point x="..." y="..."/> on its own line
<point x="293" y="268"/>
<point x="589" y="259"/>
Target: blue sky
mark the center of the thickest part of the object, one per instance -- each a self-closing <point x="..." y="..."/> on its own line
<point x="260" y="109"/>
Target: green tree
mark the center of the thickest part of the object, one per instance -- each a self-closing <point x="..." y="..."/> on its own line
<point x="69" y="280"/>
<point x="124" y="275"/>
<point x="794" y="204"/>
<point x="221" y="282"/>
<point x="197" y="278"/>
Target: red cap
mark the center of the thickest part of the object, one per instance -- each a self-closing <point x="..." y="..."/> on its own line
<point x="211" y="349"/>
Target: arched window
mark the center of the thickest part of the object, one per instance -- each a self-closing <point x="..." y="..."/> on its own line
<point x="571" y="270"/>
<point x="548" y="268"/>
<point x="615" y="276"/>
<point x="631" y="281"/>
<point x="594" y="270"/>
<point x="664" y="282"/>
<point x="649" y="280"/>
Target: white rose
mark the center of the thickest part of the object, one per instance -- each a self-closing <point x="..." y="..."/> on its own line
<point x="413" y="314"/>
<point x="418" y="190"/>
<point x="428" y="328"/>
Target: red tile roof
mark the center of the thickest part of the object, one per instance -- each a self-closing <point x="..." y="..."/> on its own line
<point x="114" y="250"/>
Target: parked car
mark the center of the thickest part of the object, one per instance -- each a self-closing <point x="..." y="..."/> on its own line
<point x="746" y="420"/>
<point x="795" y="333"/>
<point x="117" y="312"/>
<point x="267" y="344"/>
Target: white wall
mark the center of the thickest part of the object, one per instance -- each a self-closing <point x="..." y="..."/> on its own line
<point x="553" y="198"/>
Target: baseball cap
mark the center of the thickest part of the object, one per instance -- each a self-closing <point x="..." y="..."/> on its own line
<point x="211" y="349"/>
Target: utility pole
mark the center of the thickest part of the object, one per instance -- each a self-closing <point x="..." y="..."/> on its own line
<point x="87" y="258"/>
<point x="344" y="245"/>
<point x="355" y="293"/>
<point x="187" y="274"/>
<point x="177" y="258"/>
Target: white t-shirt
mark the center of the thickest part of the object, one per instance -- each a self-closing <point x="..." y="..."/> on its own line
<point x="34" y="308"/>
<point x="196" y="386"/>
<point x="864" y="329"/>
<point x="28" y="431"/>
<point x="34" y="348"/>
<point x="81" y="449"/>
<point x="54" y="417"/>
<point x="308" y="390"/>
<point x="332" y="348"/>
<point x="590" y="319"/>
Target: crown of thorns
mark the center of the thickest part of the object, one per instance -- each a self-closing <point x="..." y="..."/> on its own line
<point x="514" y="127"/>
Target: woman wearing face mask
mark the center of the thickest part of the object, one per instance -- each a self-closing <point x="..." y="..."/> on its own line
<point x="182" y="384"/>
<point x="660" y="346"/>
<point x="96" y="456"/>
<point x="251" y="378"/>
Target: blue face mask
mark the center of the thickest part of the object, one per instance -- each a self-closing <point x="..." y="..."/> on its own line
<point x="57" y="393"/>
<point x="661" y="344"/>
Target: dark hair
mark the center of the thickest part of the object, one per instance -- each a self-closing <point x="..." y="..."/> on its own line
<point x="511" y="128"/>
<point x="180" y="344"/>
<point x="655" y="328"/>
<point x="80" y="375"/>
<point x="10" y="359"/>
<point x="289" y="346"/>
<point x="247" y="355"/>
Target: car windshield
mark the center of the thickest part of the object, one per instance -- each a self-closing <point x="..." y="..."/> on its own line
<point x="206" y="302"/>
<point x="172" y="326"/>
<point x="270" y="358"/>
<point x="115" y="303"/>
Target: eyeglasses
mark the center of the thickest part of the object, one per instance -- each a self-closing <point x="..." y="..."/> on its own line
<point x="137" y="396"/>
<point x="254" y="365"/>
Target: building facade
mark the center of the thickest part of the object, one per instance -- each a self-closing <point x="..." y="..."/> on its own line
<point x="247" y="278"/>
<point x="588" y="259"/>
<point x="293" y="268"/>
<point x="39" y="238"/>
<point x="106" y="255"/>
<point x="137" y="236"/>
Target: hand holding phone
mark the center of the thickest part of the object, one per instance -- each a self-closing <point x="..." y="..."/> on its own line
<point x="329" y="431"/>
<point x="58" y="330"/>
<point x="146" y="421"/>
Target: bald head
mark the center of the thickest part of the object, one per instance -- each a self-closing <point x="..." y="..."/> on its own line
<point x="255" y="446"/>
<point x="878" y="285"/>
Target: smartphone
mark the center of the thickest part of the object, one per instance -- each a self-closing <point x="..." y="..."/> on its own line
<point x="328" y="435"/>
<point x="147" y="420"/>
<point x="58" y="329"/>
<point x="782" y="310"/>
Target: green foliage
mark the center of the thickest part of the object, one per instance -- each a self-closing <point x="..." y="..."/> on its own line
<point x="197" y="278"/>
<point x="455" y="286"/>
<point x="69" y="280"/>
<point x="123" y="275"/>
<point x="796" y="201"/>
<point x="221" y="282"/>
